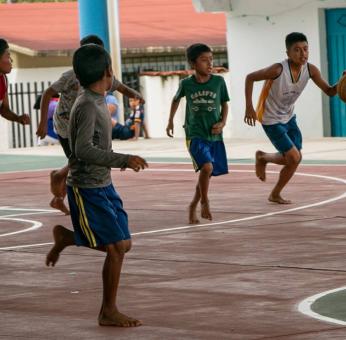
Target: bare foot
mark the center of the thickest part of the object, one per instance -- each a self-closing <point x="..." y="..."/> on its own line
<point x="205" y="211"/>
<point x="117" y="319"/>
<point x="260" y="166"/>
<point x="58" y="203"/>
<point x="193" y="214"/>
<point x="63" y="237"/>
<point x="278" y="199"/>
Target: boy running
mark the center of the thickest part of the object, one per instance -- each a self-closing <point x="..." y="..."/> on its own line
<point x="68" y="87"/>
<point x="99" y="219"/>
<point x="284" y="82"/>
<point x="205" y="117"/>
<point x="5" y="68"/>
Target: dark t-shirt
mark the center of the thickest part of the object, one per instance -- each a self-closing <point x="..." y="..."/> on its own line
<point x="203" y="105"/>
<point x="90" y="138"/>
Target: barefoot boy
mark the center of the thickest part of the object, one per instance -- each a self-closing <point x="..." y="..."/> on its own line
<point x="5" y="68"/>
<point x="68" y="87"/>
<point x="97" y="213"/>
<point x="284" y="82"/>
<point x="205" y="117"/>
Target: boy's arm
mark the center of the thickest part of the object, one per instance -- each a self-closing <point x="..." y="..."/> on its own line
<point x="47" y="95"/>
<point x="320" y="82"/>
<point x="218" y="127"/>
<point x="137" y="131"/>
<point x="129" y="92"/>
<point x="270" y="72"/>
<point x="174" y="108"/>
<point x="6" y="112"/>
<point x="86" y="151"/>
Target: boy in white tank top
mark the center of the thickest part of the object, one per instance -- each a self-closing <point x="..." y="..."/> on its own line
<point x="284" y="82"/>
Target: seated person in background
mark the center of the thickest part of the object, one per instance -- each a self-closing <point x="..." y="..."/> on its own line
<point x="119" y="131"/>
<point x="135" y="121"/>
<point x="51" y="137"/>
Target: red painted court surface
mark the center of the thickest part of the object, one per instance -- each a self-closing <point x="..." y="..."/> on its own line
<point x="240" y="276"/>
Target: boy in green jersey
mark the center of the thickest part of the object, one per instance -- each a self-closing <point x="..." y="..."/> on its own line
<point x="205" y="117"/>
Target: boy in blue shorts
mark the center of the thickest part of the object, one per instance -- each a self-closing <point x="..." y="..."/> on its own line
<point x="99" y="219"/>
<point x="284" y="82"/>
<point x="68" y="88"/>
<point x="205" y="117"/>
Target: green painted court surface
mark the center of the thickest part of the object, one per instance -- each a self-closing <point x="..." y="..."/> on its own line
<point x="28" y="162"/>
<point x="331" y="305"/>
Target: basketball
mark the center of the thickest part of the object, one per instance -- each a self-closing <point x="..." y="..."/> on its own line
<point x="341" y="88"/>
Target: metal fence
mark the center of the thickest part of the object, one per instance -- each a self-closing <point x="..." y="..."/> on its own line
<point x="21" y="99"/>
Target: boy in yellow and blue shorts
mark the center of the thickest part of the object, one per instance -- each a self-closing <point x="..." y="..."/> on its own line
<point x="98" y="217"/>
<point x="206" y="114"/>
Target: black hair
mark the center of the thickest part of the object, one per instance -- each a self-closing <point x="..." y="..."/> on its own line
<point x="294" y="37"/>
<point x="3" y="46"/>
<point x="90" y="63"/>
<point x="195" y="50"/>
<point x="92" y="39"/>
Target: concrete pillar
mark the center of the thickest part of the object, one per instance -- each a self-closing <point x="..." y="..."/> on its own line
<point x="93" y="19"/>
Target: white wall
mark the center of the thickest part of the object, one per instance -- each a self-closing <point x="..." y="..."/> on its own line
<point x="256" y="33"/>
<point x="31" y="75"/>
<point x="26" y="76"/>
<point x="158" y="92"/>
<point x="4" y="134"/>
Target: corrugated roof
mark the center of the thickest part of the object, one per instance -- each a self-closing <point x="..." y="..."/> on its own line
<point x="147" y="23"/>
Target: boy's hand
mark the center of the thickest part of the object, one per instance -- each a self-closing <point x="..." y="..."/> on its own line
<point x="42" y="130"/>
<point x="137" y="163"/>
<point x="170" y="129"/>
<point x="250" y="116"/>
<point x="24" y="119"/>
<point x="217" y="128"/>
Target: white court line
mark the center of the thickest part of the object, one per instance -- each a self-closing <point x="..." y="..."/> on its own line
<point x="213" y="224"/>
<point x="305" y="307"/>
<point x="25" y="209"/>
<point x="182" y="163"/>
<point x="35" y="225"/>
<point x="29" y="213"/>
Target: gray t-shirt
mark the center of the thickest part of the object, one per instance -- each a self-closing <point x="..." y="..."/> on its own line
<point x="90" y="137"/>
<point x="68" y="87"/>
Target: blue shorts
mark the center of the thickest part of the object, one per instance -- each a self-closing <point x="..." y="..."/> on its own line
<point x="98" y="216"/>
<point x="284" y="136"/>
<point x="203" y="151"/>
<point x="122" y="132"/>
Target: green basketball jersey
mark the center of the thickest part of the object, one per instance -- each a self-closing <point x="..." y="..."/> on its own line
<point x="203" y="105"/>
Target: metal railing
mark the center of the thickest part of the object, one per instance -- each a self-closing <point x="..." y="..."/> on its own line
<point x="21" y="99"/>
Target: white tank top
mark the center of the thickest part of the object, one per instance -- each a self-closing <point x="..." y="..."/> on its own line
<point x="276" y="103"/>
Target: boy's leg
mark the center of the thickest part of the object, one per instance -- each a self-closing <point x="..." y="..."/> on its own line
<point x="145" y="131"/>
<point x="203" y="183"/>
<point x="58" y="189"/>
<point x="262" y="158"/>
<point x="58" y="180"/>
<point x="292" y="159"/>
<point x="63" y="238"/>
<point x="109" y="314"/>
<point x="193" y="206"/>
